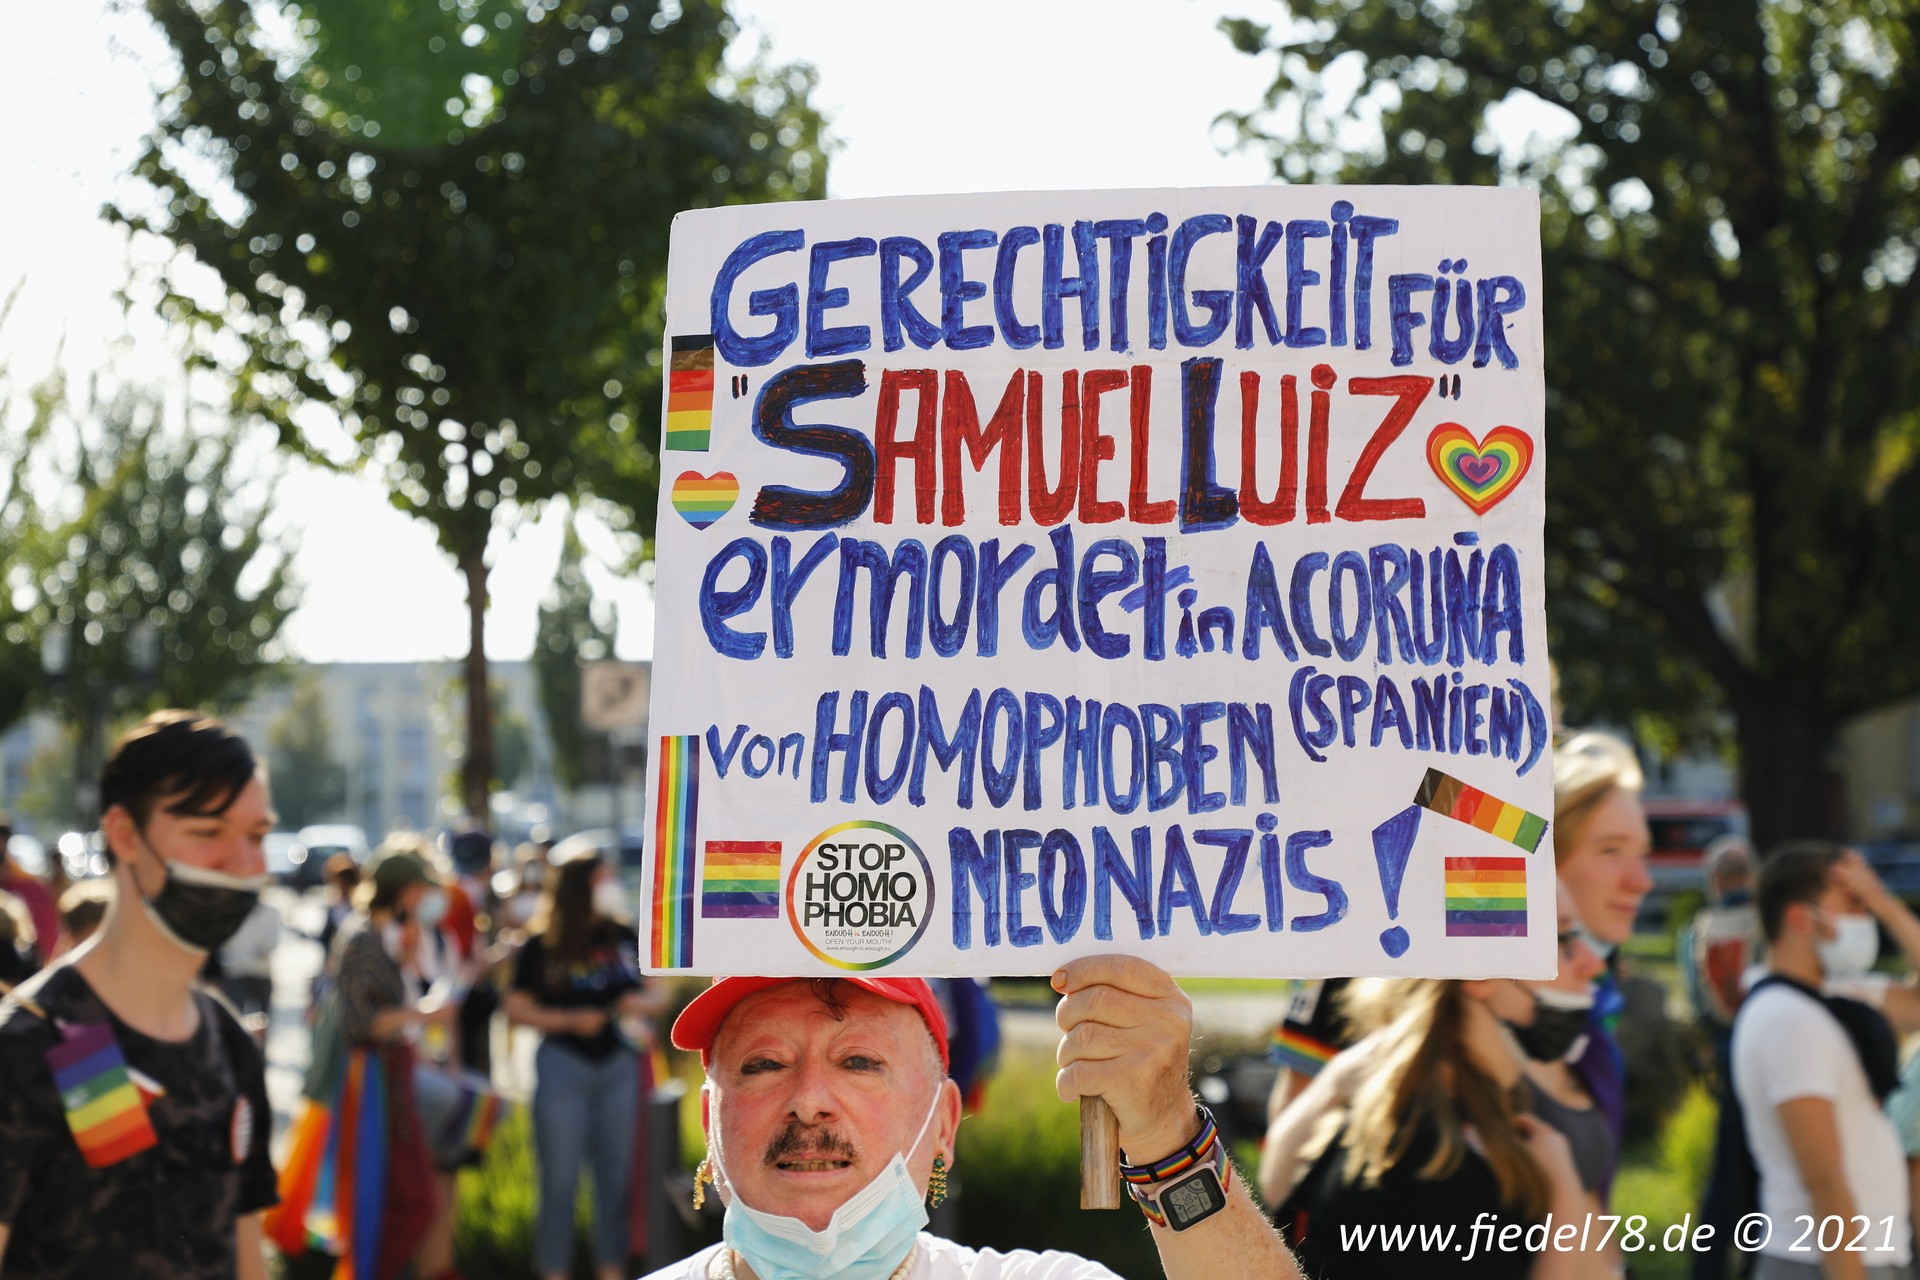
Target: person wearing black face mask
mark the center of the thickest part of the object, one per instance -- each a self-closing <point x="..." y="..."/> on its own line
<point x="1551" y="1039"/>
<point x="133" y="1108"/>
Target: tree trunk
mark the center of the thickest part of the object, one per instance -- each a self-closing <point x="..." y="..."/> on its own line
<point x="476" y="771"/>
<point x="1785" y="778"/>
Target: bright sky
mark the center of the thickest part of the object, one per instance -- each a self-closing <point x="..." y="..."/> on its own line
<point x="992" y="95"/>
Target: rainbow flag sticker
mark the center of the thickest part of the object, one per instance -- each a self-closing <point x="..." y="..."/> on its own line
<point x="741" y="880"/>
<point x="1486" y="897"/>
<point x="1447" y="795"/>
<point x="674" y="820"/>
<point x="105" y="1108"/>
<point x="690" y="393"/>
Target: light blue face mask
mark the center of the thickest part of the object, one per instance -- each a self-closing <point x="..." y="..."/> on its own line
<point x="869" y="1235"/>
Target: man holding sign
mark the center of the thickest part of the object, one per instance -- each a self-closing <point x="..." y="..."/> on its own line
<point x="830" y="1121"/>
<point x="1050" y="575"/>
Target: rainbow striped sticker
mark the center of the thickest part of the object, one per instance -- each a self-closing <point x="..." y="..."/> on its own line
<point x="690" y="393"/>
<point x="105" y="1108"/>
<point x="1486" y="897"/>
<point x="741" y="880"/>
<point x="1447" y="795"/>
<point x="675" y="817"/>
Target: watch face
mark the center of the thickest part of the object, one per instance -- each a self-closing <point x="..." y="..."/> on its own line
<point x="1186" y="1203"/>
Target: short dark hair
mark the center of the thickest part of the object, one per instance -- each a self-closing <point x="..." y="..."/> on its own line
<point x="1793" y="872"/>
<point x="197" y="763"/>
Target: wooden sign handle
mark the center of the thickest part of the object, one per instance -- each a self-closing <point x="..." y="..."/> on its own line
<point x="1099" y="1155"/>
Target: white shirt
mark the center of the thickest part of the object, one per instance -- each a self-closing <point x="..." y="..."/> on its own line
<point x="1786" y="1046"/>
<point x="938" y="1259"/>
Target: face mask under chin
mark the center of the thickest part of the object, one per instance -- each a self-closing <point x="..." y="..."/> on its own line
<point x="867" y="1238"/>
<point x="198" y="909"/>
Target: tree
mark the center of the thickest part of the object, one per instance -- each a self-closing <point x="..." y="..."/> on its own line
<point x="309" y="782"/>
<point x="479" y="300"/>
<point x="159" y="585"/>
<point x="571" y="630"/>
<point x="1734" y="442"/>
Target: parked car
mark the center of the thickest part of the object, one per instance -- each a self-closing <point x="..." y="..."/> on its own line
<point x="1682" y="829"/>
<point x="328" y="838"/>
<point x="291" y="863"/>
<point x="620" y="849"/>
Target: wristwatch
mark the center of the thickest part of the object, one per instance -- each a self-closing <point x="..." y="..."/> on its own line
<point x="1186" y="1187"/>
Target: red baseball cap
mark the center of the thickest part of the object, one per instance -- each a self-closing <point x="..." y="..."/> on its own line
<point x="700" y="1021"/>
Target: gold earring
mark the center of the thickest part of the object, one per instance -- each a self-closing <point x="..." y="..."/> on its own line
<point x="702" y="1176"/>
<point x="937" y="1183"/>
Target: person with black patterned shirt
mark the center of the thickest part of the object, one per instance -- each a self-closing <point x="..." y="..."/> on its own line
<point x="133" y="1110"/>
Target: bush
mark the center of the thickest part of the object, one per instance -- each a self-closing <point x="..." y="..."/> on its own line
<point x="493" y="1235"/>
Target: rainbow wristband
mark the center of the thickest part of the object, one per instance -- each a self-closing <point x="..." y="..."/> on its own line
<point x="1204" y="1152"/>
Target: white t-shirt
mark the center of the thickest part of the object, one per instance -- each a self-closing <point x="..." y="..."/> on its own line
<point x="938" y="1259"/>
<point x="1786" y="1046"/>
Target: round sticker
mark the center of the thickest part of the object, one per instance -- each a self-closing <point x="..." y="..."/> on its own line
<point x="240" y="1132"/>
<point x="860" y="895"/>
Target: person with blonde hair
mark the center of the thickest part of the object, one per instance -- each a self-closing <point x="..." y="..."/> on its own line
<point x="1413" y="1152"/>
<point x="1600" y="848"/>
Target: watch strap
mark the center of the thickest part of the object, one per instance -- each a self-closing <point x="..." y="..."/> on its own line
<point x="1197" y="1171"/>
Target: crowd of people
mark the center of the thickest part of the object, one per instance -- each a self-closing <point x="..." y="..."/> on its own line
<point x="1416" y="1127"/>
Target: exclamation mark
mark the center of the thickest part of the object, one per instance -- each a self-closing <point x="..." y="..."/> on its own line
<point x="1392" y="843"/>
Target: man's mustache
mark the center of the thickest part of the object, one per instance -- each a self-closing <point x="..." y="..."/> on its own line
<point x="799" y="1141"/>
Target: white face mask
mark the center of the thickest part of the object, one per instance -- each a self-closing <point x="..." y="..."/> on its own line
<point x="866" y="1239"/>
<point x="610" y="899"/>
<point x="1852" y="949"/>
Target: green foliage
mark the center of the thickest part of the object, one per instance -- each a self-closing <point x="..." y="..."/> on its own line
<point x="476" y="296"/>
<point x="388" y="68"/>
<point x="1686" y="1143"/>
<point x="309" y="782"/>
<point x="1733" y="409"/>
<point x="570" y="631"/>
<point x="493" y="1228"/>
<point x="482" y="309"/>
<point x="159" y="582"/>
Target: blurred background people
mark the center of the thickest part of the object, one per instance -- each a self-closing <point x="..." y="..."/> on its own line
<point x="35" y="896"/>
<point x="1422" y="1123"/>
<point x="1810" y="1070"/>
<point x="1722" y="942"/>
<point x="19" y="956"/>
<point x="577" y="981"/>
<point x="343" y="877"/>
<point x="384" y="1008"/>
<point x="82" y="908"/>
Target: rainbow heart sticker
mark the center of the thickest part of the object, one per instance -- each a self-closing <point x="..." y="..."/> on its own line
<point x="1483" y="472"/>
<point x="704" y="499"/>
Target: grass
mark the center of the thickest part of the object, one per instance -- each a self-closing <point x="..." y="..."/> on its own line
<point x="1018" y="1167"/>
<point x="1662" y="1181"/>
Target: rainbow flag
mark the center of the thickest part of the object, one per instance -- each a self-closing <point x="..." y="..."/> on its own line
<point x="1295" y="1050"/>
<point x="741" y="880"/>
<point x="690" y="393"/>
<point x="475" y="1117"/>
<point x="1509" y="822"/>
<point x="1486" y="897"/>
<point x="674" y="819"/>
<point x="105" y="1108"/>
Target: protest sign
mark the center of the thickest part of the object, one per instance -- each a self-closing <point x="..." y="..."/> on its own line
<point x="1046" y="574"/>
